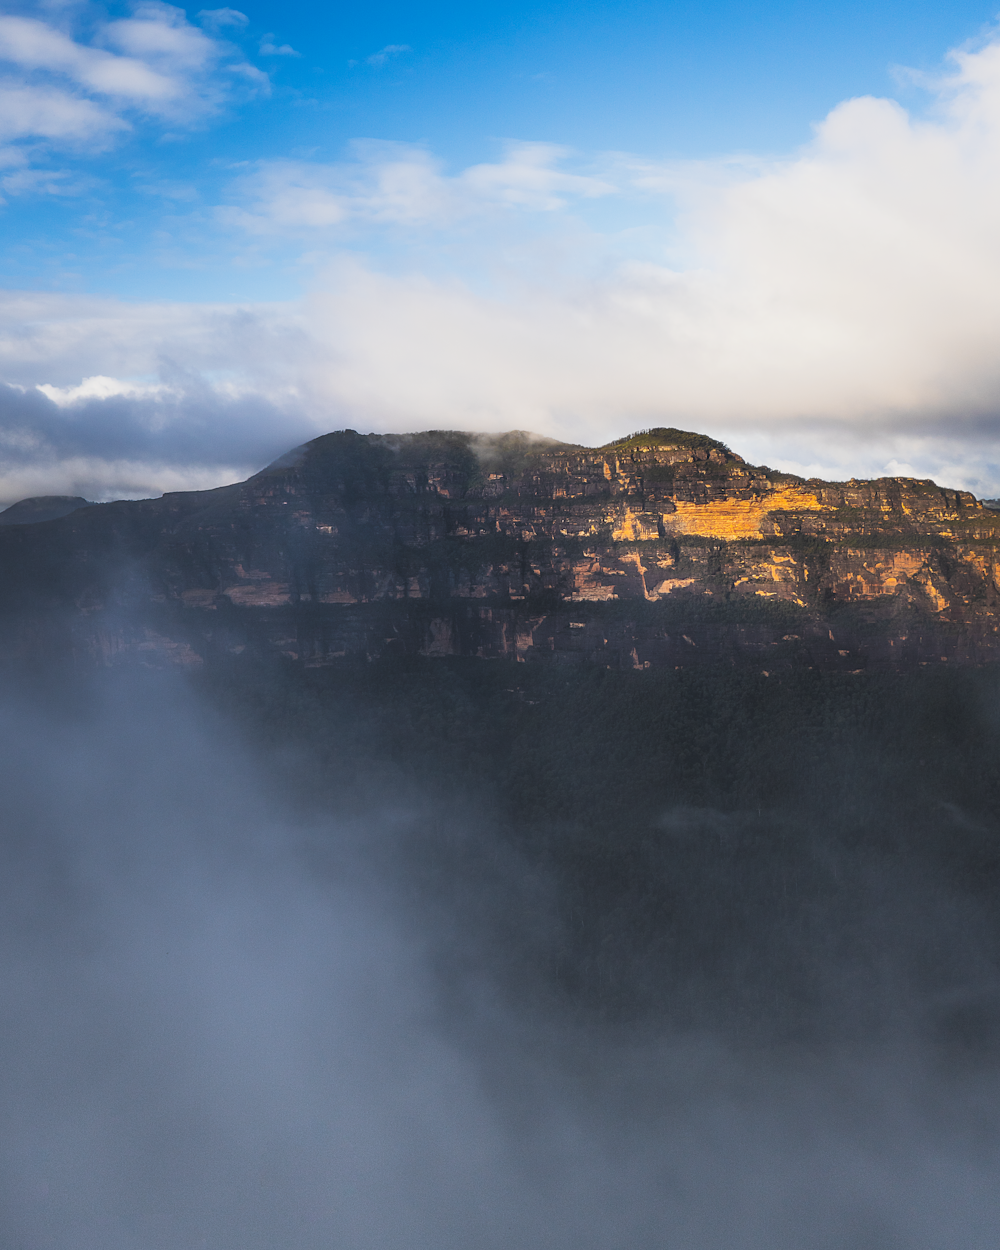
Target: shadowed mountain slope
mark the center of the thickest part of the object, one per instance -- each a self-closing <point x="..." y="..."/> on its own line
<point x="41" y="508"/>
<point x="661" y="549"/>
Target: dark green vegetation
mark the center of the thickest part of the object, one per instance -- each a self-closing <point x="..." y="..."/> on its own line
<point x="813" y="858"/>
<point x="661" y="436"/>
<point x="596" y="746"/>
<point x="359" y="466"/>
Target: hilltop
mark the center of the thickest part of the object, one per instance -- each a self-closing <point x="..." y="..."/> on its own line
<point x="665" y="548"/>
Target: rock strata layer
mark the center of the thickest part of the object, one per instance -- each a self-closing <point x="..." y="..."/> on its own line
<point x="664" y="548"/>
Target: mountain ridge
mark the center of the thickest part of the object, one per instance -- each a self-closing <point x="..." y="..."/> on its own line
<point x="663" y="548"/>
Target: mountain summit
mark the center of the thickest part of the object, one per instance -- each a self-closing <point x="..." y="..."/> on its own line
<point x="663" y="548"/>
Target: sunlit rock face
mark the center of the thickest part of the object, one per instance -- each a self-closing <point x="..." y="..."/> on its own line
<point x="664" y="548"/>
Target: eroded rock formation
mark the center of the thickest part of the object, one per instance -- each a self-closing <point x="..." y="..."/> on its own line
<point x="662" y="548"/>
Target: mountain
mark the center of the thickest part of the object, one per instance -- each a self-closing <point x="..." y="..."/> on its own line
<point x="663" y="549"/>
<point x="685" y="808"/>
<point x="41" y="508"/>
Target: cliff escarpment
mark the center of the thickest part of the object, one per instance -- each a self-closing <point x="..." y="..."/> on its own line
<point x="661" y="549"/>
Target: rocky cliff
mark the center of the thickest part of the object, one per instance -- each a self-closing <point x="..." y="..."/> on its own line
<point x="664" y="548"/>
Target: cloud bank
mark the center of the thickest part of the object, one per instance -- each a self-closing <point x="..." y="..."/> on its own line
<point x="835" y="312"/>
<point x="194" y="412"/>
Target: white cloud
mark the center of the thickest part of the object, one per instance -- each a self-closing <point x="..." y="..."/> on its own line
<point x="260" y="81"/>
<point x="73" y="91"/>
<point x="853" y="287"/>
<point x="48" y="113"/>
<point x="269" y="48"/>
<point x="216" y="19"/>
<point x="117" y="400"/>
<point x="385" y="54"/>
<point x="101" y="387"/>
<point x="397" y="184"/>
<point x="33" y="45"/>
<point x="161" y="34"/>
<point x="527" y="178"/>
<point x="376" y="352"/>
<point x="43" y="182"/>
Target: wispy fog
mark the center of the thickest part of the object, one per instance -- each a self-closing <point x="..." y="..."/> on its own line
<point x="235" y="1019"/>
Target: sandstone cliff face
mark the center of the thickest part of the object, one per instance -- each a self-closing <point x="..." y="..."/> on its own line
<point x="663" y="548"/>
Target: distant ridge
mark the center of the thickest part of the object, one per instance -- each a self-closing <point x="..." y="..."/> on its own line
<point x="42" y="508"/>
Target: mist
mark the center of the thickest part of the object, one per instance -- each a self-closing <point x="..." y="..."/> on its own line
<point x="249" y="1005"/>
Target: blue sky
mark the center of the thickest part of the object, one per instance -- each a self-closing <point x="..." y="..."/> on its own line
<point x="226" y="229"/>
<point x="137" y="217"/>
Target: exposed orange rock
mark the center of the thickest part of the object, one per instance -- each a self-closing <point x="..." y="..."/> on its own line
<point x="664" y="548"/>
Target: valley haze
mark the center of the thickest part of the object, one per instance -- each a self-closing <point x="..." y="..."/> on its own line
<point x="499" y="626"/>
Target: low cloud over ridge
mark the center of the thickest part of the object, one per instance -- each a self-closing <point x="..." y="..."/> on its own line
<point x="834" y="312"/>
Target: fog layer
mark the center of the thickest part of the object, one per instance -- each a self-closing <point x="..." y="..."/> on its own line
<point x="238" y="1017"/>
